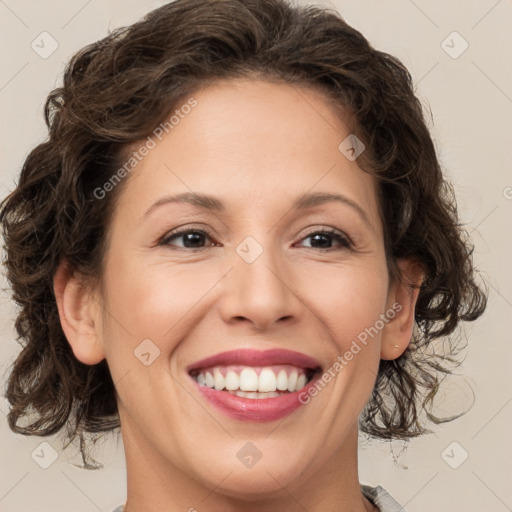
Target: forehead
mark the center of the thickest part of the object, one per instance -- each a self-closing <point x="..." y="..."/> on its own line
<point x="252" y="143"/>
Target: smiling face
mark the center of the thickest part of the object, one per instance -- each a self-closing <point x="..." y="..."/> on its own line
<point x="248" y="270"/>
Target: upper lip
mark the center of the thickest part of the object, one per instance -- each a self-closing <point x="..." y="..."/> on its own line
<point x="250" y="357"/>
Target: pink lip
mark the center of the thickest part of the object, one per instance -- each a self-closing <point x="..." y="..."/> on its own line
<point x="250" y="357"/>
<point x="258" y="410"/>
<point x="249" y="409"/>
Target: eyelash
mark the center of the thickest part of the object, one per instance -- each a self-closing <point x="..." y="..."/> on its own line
<point x="343" y="240"/>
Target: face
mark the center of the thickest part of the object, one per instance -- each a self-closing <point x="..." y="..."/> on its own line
<point x="270" y="269"/>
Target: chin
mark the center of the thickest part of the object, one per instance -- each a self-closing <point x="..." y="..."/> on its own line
<point x="264" y="479"/>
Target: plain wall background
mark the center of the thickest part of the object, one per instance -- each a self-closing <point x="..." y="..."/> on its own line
<point x="471" y="102"/>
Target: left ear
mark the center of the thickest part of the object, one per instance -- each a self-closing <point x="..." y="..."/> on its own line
<point x="402" y="298"/>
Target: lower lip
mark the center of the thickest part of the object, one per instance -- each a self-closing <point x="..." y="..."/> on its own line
<point x="255" y="409"/>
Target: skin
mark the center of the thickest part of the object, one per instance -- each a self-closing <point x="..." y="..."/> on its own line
<point x="256" y="146"/>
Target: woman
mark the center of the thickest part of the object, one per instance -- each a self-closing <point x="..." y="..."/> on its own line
<point x="237" y="244"/>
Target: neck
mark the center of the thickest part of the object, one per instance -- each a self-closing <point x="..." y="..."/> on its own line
<point x="155" y="483"/>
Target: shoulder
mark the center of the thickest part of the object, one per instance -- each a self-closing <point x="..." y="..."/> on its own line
<point x="381" y="499"/>
<point x="120" y="508"/>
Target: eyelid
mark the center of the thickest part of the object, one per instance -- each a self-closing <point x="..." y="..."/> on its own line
<point x="344" y="240"/>
<point x="331" y="232"/>
<point x="185" y="229"/>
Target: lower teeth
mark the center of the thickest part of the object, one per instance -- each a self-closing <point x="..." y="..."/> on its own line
<point x="256" y="394"/>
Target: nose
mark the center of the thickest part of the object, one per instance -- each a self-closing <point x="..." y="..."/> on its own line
<point x="260" y="293"/>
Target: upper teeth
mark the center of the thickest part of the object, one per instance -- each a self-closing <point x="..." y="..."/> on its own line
<point x="249" y="378"/>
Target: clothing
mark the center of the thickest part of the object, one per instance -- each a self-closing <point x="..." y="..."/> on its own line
<point x="377" y="495"/>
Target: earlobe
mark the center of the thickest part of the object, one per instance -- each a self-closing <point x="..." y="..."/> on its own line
<point x="79" y="315"/>
<point x="403" y="296"/>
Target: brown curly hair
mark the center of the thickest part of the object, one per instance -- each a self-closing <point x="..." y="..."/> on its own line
<point x="117" y="90"/>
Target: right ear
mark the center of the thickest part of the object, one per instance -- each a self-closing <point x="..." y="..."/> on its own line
<point x="79" y="313"/>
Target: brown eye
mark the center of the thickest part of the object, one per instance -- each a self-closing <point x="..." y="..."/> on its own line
<point x="323" y="239"/>
<point x="191" y="238"/>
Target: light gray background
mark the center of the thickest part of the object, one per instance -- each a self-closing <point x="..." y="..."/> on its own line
<point x="471" y="101"/>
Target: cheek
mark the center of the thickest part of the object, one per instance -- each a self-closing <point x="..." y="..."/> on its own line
<point x="162" y="300"/>
<point x="348" y="300"/>
<point x="156" y="301"/>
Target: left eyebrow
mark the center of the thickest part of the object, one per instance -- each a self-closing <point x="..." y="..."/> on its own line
<point x="301" y="203"/>
<point x="314" y="199"/>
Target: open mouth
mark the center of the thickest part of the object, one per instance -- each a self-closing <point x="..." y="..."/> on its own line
<point x="255" y="382"/>
<point x="254" y="385"/>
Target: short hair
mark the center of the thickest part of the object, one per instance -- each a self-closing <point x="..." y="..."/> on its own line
<point x="117" y="90"/>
